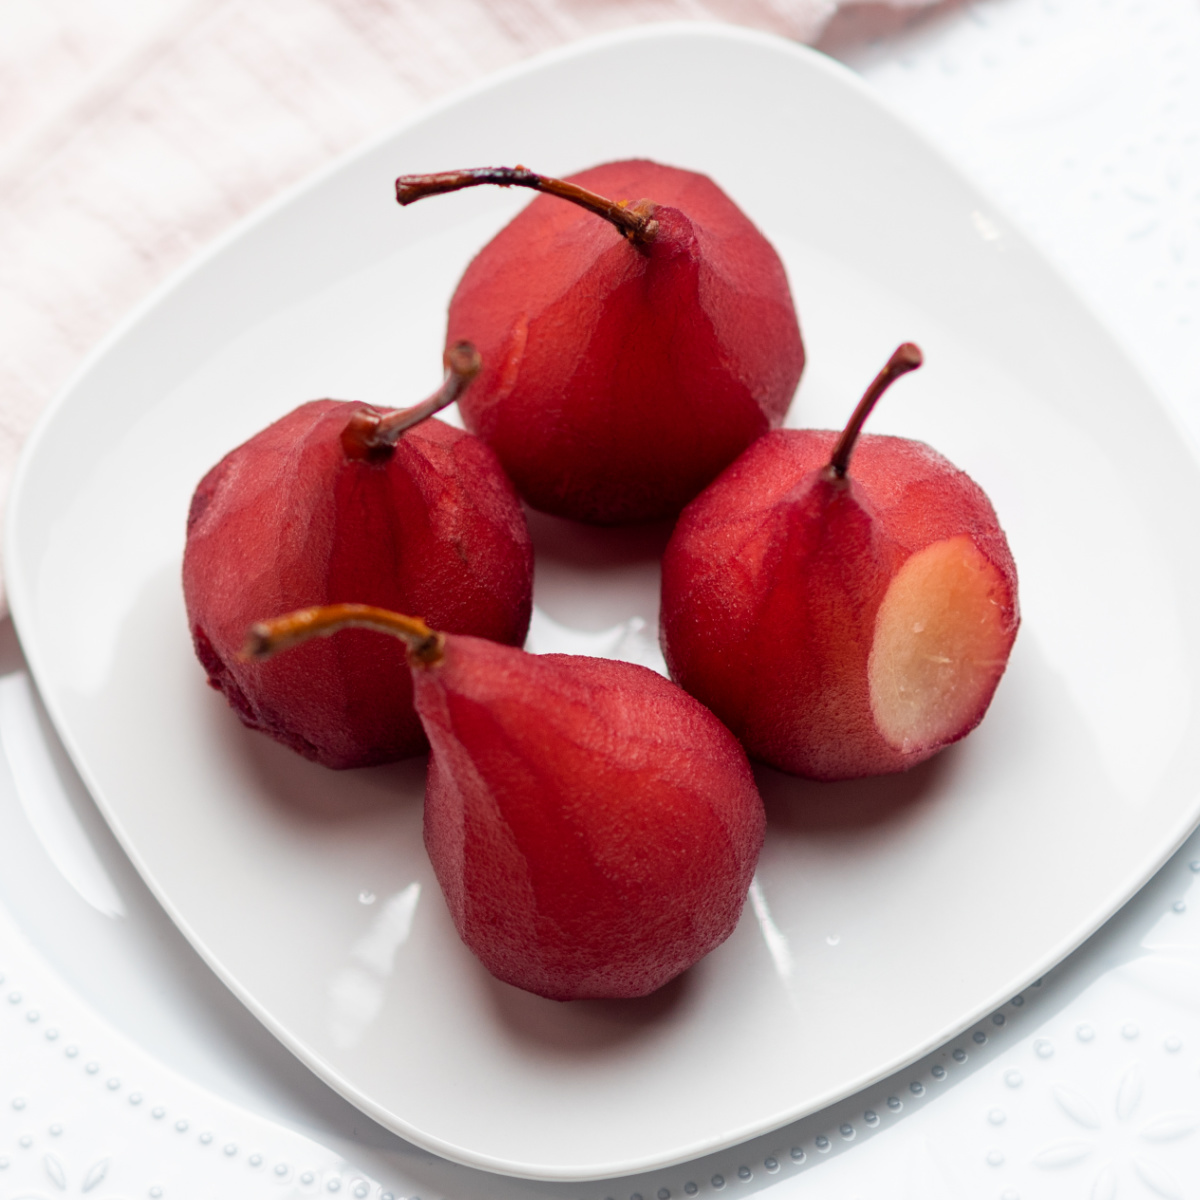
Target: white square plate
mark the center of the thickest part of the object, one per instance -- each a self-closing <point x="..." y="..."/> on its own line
<point x="871" y="936"/>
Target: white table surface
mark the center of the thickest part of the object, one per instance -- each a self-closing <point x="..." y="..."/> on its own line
<point x="127" y="1070"/>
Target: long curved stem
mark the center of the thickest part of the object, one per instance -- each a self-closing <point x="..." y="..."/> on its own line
<point x="907" y="357"/>
<point x="265" y="638"/>
<point x="635" y="221"/>
<point x="373" y="436"/>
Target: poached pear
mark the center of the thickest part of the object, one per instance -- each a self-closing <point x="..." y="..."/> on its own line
<point x="594" y="829"/>
<point x="635" y="340"/>
<point x="339" y="500"/>
<point x="843" y="616"/>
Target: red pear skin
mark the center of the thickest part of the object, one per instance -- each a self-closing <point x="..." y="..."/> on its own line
<point x="840" y="627"/>
<point x="621" y="376"/>
<point x="288" y="519"/>
<point x="594" y="828"/>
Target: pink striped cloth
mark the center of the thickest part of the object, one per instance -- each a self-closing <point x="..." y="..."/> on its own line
<point x="134" y="131"/>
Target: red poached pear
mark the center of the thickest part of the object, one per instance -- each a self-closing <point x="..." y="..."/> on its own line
<point x="594" y="829"/>
<point x="336" y="501"/>
<point x="623" y="369"/>
<point x="842" y="618"/>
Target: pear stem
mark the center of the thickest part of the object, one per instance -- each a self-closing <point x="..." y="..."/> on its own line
<point x="374" y="436"/>
<point x="635" y="221"/>
<point x="907" y="357"/>
<point x="425" y="646"/>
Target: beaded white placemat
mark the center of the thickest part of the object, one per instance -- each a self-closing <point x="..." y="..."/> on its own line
<point x="126" y="1070"/>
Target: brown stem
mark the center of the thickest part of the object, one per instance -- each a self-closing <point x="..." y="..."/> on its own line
<point x="635" y="221"/>
<point x="906" y="358"/>
<point x="374" y="436"/>
<point x="425" y="646"/>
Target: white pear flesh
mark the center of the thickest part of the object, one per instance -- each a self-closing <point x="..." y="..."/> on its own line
<point x="940" y="645"/>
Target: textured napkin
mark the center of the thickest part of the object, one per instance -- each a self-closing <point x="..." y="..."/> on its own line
<point x="134" y="131"/>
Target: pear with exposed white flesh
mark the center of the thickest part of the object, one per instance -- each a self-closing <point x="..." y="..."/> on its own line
<point x="845" y="604"/>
